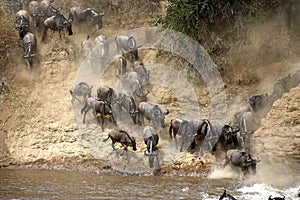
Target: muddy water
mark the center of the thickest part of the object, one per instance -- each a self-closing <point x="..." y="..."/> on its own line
<point x="52" y="184"/>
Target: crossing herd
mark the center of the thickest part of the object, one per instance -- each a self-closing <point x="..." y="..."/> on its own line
<point x="131" y="98"/>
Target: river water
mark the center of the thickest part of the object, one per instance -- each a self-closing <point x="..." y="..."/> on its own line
<point x="62" y="184"/>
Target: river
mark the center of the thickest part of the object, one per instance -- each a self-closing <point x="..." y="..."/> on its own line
<point x="63" y="184"/>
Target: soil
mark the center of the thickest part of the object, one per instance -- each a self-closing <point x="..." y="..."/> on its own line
<point x="39" y="126"/>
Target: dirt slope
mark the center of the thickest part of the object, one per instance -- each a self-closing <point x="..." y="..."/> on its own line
<point x="38" y="120"/>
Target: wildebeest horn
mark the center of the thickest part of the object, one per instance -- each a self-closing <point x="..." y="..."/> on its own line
<point x="167" y="112"/>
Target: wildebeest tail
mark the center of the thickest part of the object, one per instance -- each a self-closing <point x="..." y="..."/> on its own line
<point x="170" y="129"/>
<point x="104" y="140"/>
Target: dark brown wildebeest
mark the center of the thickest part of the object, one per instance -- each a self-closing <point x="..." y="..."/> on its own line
<point x="121" y="137"/>
<point x="97" y="107"/>
<point x="35" y="12"/>
<point x="86" y="15"/>
<point x="57" y="23"/>
<point x="22" y="22"/>
<point x="228" y="138"/>
<point x="127" y="102"/>
<point x="81" y="89"/>
<point x="153" y="113"/>
<point x="30" y="47"/>
<point x="151" y="139"/>
<point x="241" y="159"/>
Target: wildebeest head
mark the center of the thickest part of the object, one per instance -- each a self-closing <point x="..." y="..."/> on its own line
<point x="228" y="135"/>
<point x="159" y="116"/>
<point x="97" y="18"/>
<point x="61" y="22"/>
<point x="226" y="196"/>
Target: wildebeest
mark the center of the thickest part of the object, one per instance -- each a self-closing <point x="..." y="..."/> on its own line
<point x="284" y="84"/>
<point x="276" y="198"/>
<point x="86" y="15"/>
<point x="261" y="102"/>
<point x="22" y="22"/>
<point x="48" y="9"/>
<point x="127" y="102"/>
<point x="248" y="124"/>
<point x="182" y="128"/>
<point x="227" y="137"/>
<point x="107" y="94"/>
<point x="127" y="44"/>
<point x="120" y="65"/>
<point x="131" y="85"/>
<point x="152" y="112"/>
<point x="226" y="196"/>
<point x="35" y="12"/>
<point x="30" y="47"/>
<point x="101" y="46"/>
<point x="151" y="139"/>
<point x="97" y="106"/>
<point x="241" y="159"/>
<point x="121" y="137"/>
<point x="142" y="72"/>
<point x="57" y="23"/>
<point x="81" y="89"/>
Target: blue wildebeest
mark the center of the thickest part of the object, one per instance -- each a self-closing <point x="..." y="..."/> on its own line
<point x="276" y="198"/>
<point x="97" y="106"/>
<point x="241" y="159"/>
<point x="142" y="72"/>
<point x="183" y="128"/>
<point x="151" y="139"/>
<point x="81" y="89"/>
<point x="132" y="86"/>
<point x="153" y="113"/>
<point x="227" y="138"/>
<point x="57" y="23"/>
<point x="35" y="12"/>
<point x="48" y="9"/>
<point x="127" y="44"/>
<point x="30" y="47"/>
<point x="101" y="46"/>
<point x="284" y="84"/>
<point x="120" y="65"/>
<point x="22" y="22"/>
<point x="86" y="15"/>
<point x="127" y="102"/>
<point x="226" y="196"/>
<point x="121" y="137"/>
<point x="107" y="94"/>
<point x="248" y="125"/>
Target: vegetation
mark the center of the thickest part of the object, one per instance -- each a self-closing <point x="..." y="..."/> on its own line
<point x="8" y="37"/>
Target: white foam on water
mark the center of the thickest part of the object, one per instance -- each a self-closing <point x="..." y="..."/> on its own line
<point x="263" y="191"/>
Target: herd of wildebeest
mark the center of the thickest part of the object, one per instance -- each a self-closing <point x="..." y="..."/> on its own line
<point x="131" y="98"/>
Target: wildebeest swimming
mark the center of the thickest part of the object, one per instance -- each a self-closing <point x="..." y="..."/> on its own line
<point x="241" y="159"/>
<point x="80" y="15"/>
<point x="226" y="196"/>
<point x="276" y="198"/>
<point x="30" y="47"/>
<point x="22" y="22"/>
<point x="121" y="137"/>
<point x="57" y="23"/>
<point x="97" y="106"/>
<point x="151" y="139"/>
<point x="81" y="89"/>
<point x="153" y="113"/>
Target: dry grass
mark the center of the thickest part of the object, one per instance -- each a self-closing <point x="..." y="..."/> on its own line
<point x="9" y="38"/>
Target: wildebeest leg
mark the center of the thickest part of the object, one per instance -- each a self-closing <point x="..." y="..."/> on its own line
<point x="175" y="139"/>
<point x="113" y="146"/>
<point x="102" y="122"/>
<point x="84" y="114"/>
<point x="182" y="144"/>
<point x="44" y="34"/>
